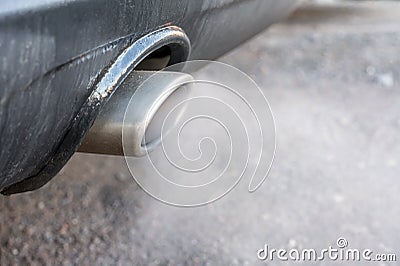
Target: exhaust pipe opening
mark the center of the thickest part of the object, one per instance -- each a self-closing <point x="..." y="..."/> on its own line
<point x="148" y="109"/>
<point x="159" y="123"/>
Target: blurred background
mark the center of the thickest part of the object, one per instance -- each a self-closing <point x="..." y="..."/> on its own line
<point x="331" y="75"/>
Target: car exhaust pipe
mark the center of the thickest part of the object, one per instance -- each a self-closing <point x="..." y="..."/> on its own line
<point x="138" y="108"/>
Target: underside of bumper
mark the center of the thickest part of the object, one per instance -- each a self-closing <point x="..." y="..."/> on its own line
<point x="55" y="53"/>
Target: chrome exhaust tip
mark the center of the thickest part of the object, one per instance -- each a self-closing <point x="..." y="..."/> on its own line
<point x="137" y="110"/>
